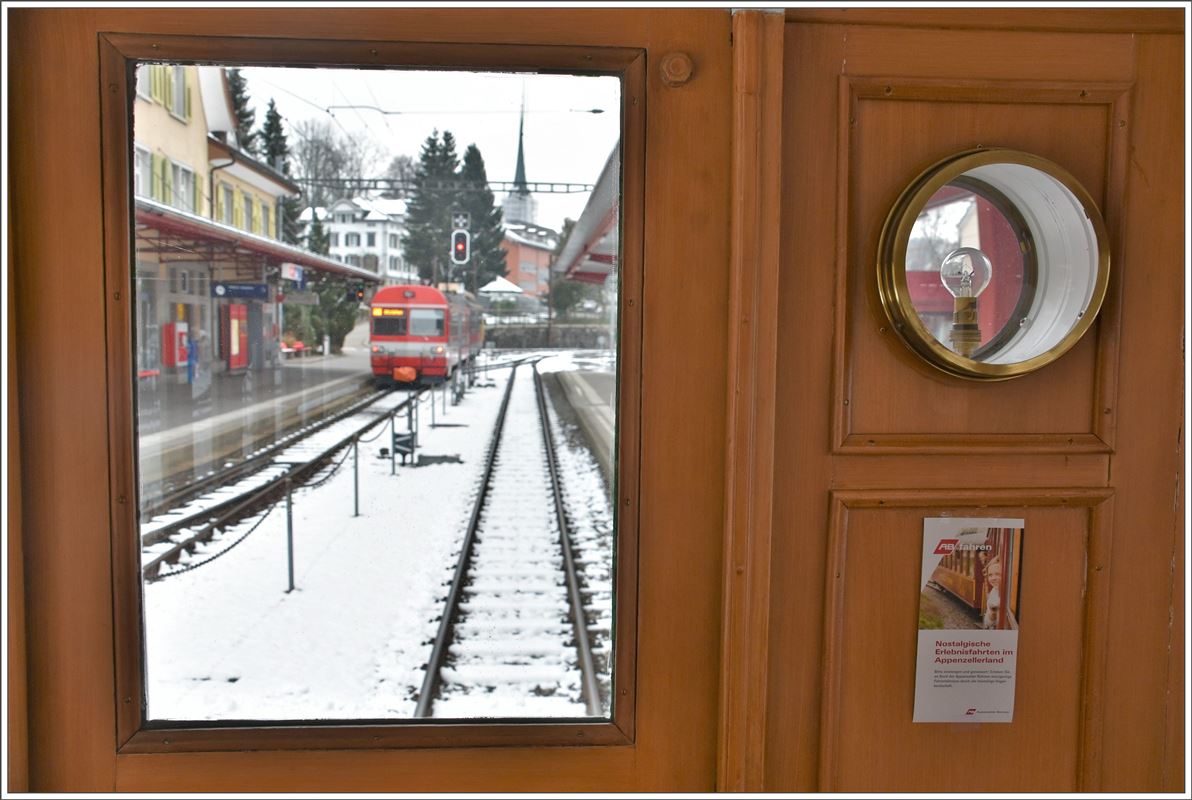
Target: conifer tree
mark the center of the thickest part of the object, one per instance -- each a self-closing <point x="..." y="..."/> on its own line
<point x="245" y="115"/>
<point x="276" y="152"/>
<point x="428" y="216"/>
<point x="487" y="232"/>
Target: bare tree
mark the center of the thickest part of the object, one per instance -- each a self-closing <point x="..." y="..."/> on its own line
<point x="318" y="160"/>
<point x="400" y="169"/>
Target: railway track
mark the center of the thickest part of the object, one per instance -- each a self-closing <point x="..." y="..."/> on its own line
<point x="513" y="640"/>
<point x="181" y="496"/>
<point x="166" y="537"/>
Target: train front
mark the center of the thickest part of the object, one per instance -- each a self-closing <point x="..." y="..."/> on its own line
<point x="408" y="335"/>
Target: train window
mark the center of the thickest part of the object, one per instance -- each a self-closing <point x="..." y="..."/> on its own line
<point x="426" y="322"/>
<point x="377" y="497"/>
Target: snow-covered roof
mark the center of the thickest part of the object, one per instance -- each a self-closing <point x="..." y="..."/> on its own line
<point x="499" y="285"/>
<point x="377" y="209"/>
<point x="517" y="238"/>
<point x="307" y="214"/>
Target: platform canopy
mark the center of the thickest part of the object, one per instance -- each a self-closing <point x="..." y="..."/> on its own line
<point x="181" y="236"/>
<point x="590" y="252"/>
<point x="499" y="285"/>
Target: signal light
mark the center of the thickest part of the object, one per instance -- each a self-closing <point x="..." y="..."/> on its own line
<point x="461" y="246"/>
<point x="360" y="291"/>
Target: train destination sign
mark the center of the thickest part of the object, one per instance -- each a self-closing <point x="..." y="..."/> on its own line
<point x="242" y="291"/>
<point x="968" y="619"/>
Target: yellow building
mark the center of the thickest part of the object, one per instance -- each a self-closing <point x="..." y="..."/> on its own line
<point x="209" y="263"/>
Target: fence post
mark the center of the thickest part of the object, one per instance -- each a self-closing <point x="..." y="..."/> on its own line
<point x="392" y="441"/>
<point x="356" y="475"/>
<point x="432" y="405"/>
<point x="290" y="533"/>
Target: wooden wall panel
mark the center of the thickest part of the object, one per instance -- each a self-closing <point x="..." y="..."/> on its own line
<point x="869" y="742"/>
<point x="861" y="420"/>
<point x="1147" y="470"/>
<point x="60" y="301"/>
<point x="890" y="398"/>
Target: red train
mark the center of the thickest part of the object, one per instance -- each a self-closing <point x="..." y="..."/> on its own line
<point x="420" y="334"/>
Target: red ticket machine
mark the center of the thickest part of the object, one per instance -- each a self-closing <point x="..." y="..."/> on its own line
<point x="235" y="335"/>
<point x="174" y="344"/>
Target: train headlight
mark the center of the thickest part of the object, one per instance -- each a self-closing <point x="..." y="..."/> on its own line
<point x="439" y="350"/>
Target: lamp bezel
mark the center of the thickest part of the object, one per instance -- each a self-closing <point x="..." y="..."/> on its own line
<point x="894" y="239"/>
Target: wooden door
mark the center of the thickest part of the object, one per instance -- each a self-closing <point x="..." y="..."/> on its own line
<point x="868" y="440"/>
<point x="75" y="471"/>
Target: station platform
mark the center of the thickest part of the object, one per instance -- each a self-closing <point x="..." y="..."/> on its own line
<point x="592" y="395"/>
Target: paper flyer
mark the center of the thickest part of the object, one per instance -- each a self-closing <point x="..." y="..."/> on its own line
<point x="969" y="608"/>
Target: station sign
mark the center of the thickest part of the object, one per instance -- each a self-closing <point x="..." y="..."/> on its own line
<point x="301" y="299"/>
<point x="291" y="272"/>
<point x="240" y="291"/>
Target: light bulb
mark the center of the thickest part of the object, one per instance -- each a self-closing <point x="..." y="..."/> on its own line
<point x="965" y="272"/>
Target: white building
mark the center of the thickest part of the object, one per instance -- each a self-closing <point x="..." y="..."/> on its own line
<point x="367" y="232"/>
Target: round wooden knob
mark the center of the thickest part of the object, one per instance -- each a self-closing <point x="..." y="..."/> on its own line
<point x="676" y="69"/>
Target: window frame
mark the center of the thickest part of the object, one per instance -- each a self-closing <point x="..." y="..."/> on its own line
<point x="177" y="94"/>
<point x="187" y="198"/>
<point x="135" y="735"/>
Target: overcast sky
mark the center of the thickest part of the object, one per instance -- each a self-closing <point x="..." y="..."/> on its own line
<point x="563" y="143"/>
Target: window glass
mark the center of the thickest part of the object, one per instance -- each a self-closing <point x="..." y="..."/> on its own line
<point x="426" y="322"/>
<point x="331" y="527"/>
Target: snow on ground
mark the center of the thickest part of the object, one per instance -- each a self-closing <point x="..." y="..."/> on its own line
<point x="226" y="641"/>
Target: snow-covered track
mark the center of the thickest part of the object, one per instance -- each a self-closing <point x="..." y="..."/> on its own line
<point x="514" y="628"/>
<point x="292" y="461"/>
<point x="253" y="462"/>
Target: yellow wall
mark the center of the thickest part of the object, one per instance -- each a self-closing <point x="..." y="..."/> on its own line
<point x="165" y="135"/>
<point x="241" y="217"/>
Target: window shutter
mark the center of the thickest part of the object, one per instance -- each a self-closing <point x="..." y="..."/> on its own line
<point x="155" y="82"/>
<point x="186" y="99"/>
<point x="219" y="206"/>
<point x="198" y="206"/>
<point x="169" y="86"/>
<point x="167" y="174"/>
<point x="273" y="223"/>
<point x="155" y="177"/>
<point x="238" y="210"/>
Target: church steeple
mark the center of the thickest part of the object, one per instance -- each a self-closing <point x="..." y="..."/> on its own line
<point x="519" y="205"/>
<point x="519" y="176"/>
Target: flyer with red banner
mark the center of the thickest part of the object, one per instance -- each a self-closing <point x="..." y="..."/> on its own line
<point x="968" y="619"/>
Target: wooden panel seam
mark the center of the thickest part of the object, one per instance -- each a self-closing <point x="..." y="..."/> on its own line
<point x="752" y="349"/>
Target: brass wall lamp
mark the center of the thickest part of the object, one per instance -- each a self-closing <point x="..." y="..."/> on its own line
<point x="992" y="263"/>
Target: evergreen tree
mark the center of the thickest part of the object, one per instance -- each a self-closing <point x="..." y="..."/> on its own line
<point x="337" y="310"/>
<point x="318" y="240"/>
<point x="245" y="115"/>
<point x="428" y="217"/>
<point x="566" y="295"/>
<point x="274" y="147"/>
<point x="488" y="257"/>
<point x="276" y="151"/>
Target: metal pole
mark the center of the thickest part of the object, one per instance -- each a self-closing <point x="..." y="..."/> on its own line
<point x="356" y="475"/>
<point x="290" y="533"/>
<point x="393" y="442"/>
<point x="432" y="405"/>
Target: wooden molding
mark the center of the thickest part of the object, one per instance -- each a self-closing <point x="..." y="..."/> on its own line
<point x="1110" y="20"/>
<point x="752" y="336"/>
<point x="1099" y="436"/>
<point x="1098" y="549"/>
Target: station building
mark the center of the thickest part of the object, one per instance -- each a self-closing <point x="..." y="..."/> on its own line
<point x="212" y="274"/>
